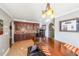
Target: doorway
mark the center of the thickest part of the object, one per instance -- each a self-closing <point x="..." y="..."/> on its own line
<point x="10" y="41"/>
<point x="51" y="30"/>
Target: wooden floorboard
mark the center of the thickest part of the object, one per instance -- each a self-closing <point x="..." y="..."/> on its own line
<point x="20" y="48"/>
<point x="56" y="48"/>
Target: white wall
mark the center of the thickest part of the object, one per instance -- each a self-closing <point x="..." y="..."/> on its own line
<point x="67" y="37"/>
<point x="4" y="39"/>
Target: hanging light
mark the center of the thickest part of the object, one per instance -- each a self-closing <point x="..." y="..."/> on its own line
<point x="48" y="12"/>
<point x="43" y="14"/>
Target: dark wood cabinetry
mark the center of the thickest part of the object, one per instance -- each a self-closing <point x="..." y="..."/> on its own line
<point x="19" y="37"/>
<point x="25" y="30"/>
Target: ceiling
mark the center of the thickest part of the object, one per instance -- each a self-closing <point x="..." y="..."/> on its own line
<point x="32" y="11"/>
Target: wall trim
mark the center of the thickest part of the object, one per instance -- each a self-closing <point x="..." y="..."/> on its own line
<point x="68" y="12"/>
<point x="6" y="52"/>
<point x="23" y="20"/>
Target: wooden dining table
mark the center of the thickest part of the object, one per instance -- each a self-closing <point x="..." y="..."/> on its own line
<point x="51" y="47"/>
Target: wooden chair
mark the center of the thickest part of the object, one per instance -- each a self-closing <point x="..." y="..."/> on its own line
<point x="77" y="51"/>
<point x="46" y="50"/>
<point x="67" y="46"/>
<point x="74" y="49"/>
<point x="71" y="47"/>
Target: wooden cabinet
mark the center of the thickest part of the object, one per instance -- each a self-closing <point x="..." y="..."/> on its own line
<point x="19" y="37"/>
<point x="24" y="30"/>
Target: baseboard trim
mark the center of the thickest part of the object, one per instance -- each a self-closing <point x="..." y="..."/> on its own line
<point x="6" y="52"/>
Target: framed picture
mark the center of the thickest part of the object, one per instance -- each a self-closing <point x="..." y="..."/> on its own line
<point x="1" y="27"/>
<point x="71" y="25"/>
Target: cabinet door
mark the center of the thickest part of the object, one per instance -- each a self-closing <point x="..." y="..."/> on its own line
<point x="28" y="33"/>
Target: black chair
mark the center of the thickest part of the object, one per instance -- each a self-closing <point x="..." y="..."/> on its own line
<point x="35" y="51"/>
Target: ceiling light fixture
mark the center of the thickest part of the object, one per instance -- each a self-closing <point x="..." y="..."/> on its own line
<point x="48" y="12"/>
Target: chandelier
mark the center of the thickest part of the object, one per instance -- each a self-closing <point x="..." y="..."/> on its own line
<point x="48" y="12"/>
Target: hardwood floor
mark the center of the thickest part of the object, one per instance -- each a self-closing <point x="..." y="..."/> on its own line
<point x="53" y="48"/>
<point x="20" y="48"/>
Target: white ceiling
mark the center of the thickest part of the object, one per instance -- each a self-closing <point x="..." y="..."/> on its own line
<point x="32" y="11"/>
<point x="64" y="8"/>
